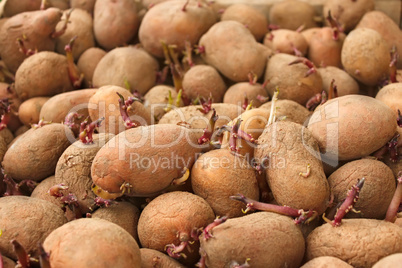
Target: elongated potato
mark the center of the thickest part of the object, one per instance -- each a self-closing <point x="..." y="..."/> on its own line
<point x="294" y="171"/>
<point x="359" y="242"/>
<point x="145" y="159"/>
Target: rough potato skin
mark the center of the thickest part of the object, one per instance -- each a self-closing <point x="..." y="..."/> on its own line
<point x="130" y="65"/>
<point x="204" y="81"/>
<point x="148" y="158"/>
<point x="393" y="260"/>
<point x="290" y="148"/>
<point x="263" y="237"/>
<point x="88" y="61"/>
<point x="92" y="243"/>
<point x="171" y="217"/>
<point x="391" y="95"/>
<point x="29" y="110"/>
<point x="29" y="221"/>
<point x="37" y="150"/>
<point x="29" y="78"/>
<point x="372" y="69"/>
<point x="291" y="79"/>
<point x="123" y="214"/>
<point x="352" y="126"/>
<point x="115" y="22"/>
<point x="151" y="258"/>
<point x="292" y="14"/>
<point x="326" y="262"/>
<point x="219" y="174"/>
<point x="359" y="242"/>
<point x="178" y="25"/>
<point x="237" y="93"/>
<point x="344" y="82"/>
<point x="289" y="110"/>
<point x="378" y="190"/>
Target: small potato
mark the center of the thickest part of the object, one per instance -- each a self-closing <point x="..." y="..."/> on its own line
<point x="292" y="14"/>
<point x="286" y="41"/>
<point x="37" y="150"/>
<point x="393" y="260"/>
<point x="3" y="148"/>
<point x="391" y="95"/>
<point x="288" y="110"/>
<point x="157" y="100"/>
<point x="151" y="258"/>
<point x="365" y="56"/>
<point x="326" y="262"/>
<point x="29" y="221"/>
<point x="254" y="92"/>
<point x="87" y="63"/>
<point x="92" y="243"/>
<point x="344" y="83"/>
<point x="374" y="238"/>
<point x="29" y="110"/>
<point x="251" y="17"/>
<point x="264" y="238"/>
<point x="352" y="126"/>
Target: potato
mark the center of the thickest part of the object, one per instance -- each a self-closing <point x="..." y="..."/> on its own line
<point x="292" y="80"/>
<point x="237" y="94"/>
<point x="292" y="14"/>
<point x="219" y="174"/>
<point x="21" y="130"/>
<point x="59" y="106"/>
<point x="265" y="238"/>
<point x="348" y="13"/>
<point x="326" y="262"/>
<point x="14" y="7"/>
<point x="288" y="110"/>
<point x="87" y="5"/>
<point x="8" y="91"/>
<point x="182" y="22"/>
<point x="391" y="95"/>
<point x="344" y="83"/>
<point x="7" y="135"/>
<point x="378" y="190"/>
<point x="80" y="26"/>
<point x="251" y="17"/>
<point x="29" y="110"/>
<point x="145" y="159"/>
<point x="29" y="78"/>
<point x="157" y="98"/>
<point x="37" y="150"/>
<point x="92" y="243"/>
<point x="41" y="191"/>
<point x="390" y="261"/>
<point x="352" y="126"/>
<point x="233" y="51"/>
<point x="170" y="218"/>
<point x="105" y="103"/>
<point x="29" y="221"/>
<point x="3" y="148"/>
<point x="286" y="41"/>
<point x="7" y="263"/>
<point x="365" y="56"/>
<point x="203" y="81"/>
<point x="117" y="68"/>
<point x="115" y="22"/>
<point x="294" y="173"/>
<point x="123" y="214"/>
<point x="385" y="26"/>
<point x="36" y="26"/>
<point x="359" y="242"/>
<point x="151" y="258"/>
<point x="87" y="63"/>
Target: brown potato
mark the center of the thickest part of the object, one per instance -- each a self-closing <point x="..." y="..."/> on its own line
<point x="115" y="22"/>
<point x="378" y="190"/>
<point x="393" y="260"/>
<point x="92" y="243"/>
<point x="29" y="221"/>
<point x="391" y="95"/>
<point x="87" y="63"/>
<point x="157" y="98"/>
<point x="250" y="16"/>
<point x="117" y="68"/>
<point x="35" y="154"/>
<point x="294" y="173"/>
<point x="14" y="7"/>
<point x="237" y="94"/>
<point x="375" y="238"/>
<point x="265" y="238"/>
<point x="219" y="174"/>
<point x="7" y="263"/>
<point x="288" y="110"/>
<point x="292" y="14"/>
<point x="87" y="5"/>
<point x="352" y="126"/>
<point x="326" y="262"/>
<point x="286" y="41"/>
<point x="151" y="258"/>
<point x="29" y="110"/>
<point x="345" y="83"/>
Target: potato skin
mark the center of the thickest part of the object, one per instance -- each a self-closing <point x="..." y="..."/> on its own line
<point x="391" y="95"/>
<point x="393" y="260"/>
<point x="358" y="124"/>
<point x="263" y="237"/>
<point x="284" y="41"/>
<point x="290" y="148"/>
<point x="359" y="242"/>
<point x="237" y="93"/>
<point x="345" y="83"/>
<point x="7" y="262"/>
<point x="292" y="14"/>
<point x="87" y="63"/>
<point x="157" y="98"/>
<point x="39" y="150"/>
<point x="105" y="245"/>
<point x="145" y="157"/>
<point x="29" y="221"/>
<point x="289" y="110"/>
<point x="151" y="258"/>
<point x="377" y="192"/>
<point x="29" y="110"/>
<point x="326" y="262"/>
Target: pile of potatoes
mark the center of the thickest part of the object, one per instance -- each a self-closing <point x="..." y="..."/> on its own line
<point x="183" y="133"/>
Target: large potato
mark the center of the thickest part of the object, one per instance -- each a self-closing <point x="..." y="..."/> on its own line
<point x="352" y="126"/>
